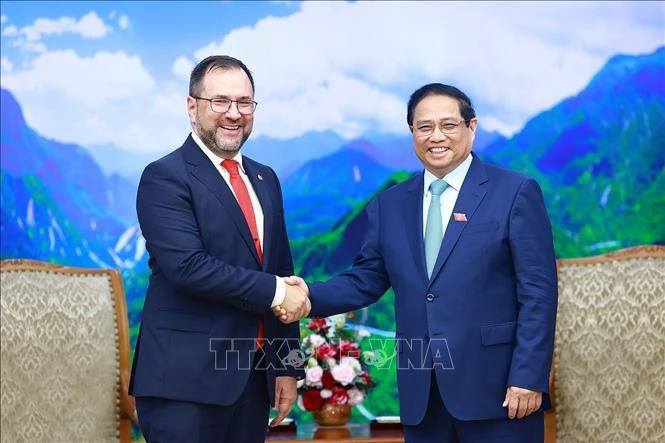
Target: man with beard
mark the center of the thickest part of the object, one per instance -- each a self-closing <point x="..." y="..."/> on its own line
<point x="210" y="358"/>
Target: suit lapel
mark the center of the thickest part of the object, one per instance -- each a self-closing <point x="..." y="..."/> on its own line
<point x="263" y="194"/>
<point x="470" y="196"/>
<point x="414" y="224"/>
<point x="204" y="171"/>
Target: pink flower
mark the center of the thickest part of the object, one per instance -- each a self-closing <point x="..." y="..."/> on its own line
<point x="316" y="340"/>
<point x="356" y="396"/>
<point x="353" y="363"/>
<point x="313" y="375"/>
<point x="343" y="373"/>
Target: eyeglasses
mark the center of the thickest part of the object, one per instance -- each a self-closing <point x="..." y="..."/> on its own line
<point x="448" y="127"/>
<point x="221" y="105"/>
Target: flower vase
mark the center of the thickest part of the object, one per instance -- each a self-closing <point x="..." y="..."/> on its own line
<point x="332" y="415"/>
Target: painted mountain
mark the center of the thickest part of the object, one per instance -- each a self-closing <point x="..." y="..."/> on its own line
<point x="58" y="206"/>
<point x="321" y="191"/>
<point x="56" y="199"/>
<point x="600" y="158"/>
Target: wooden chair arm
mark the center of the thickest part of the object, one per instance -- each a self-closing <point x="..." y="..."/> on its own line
<point x="127" y="403"/>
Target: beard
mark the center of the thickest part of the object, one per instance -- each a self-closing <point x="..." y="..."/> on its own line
<point x="221" y="146"/>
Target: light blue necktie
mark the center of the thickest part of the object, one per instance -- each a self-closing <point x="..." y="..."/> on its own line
<point x="434" y="227"/>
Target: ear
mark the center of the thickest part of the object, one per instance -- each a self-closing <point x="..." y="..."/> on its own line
<point x="191" y="109"/>
<point x="473" y="124"/>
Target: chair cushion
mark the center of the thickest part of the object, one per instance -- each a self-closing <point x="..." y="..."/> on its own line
<point x="59" y="357"/>
<point x="610" y="349"/>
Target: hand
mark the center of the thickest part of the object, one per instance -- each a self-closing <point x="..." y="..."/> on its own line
<point x="286" y="392"/>
<point x="296" y="304"/>
<point x="521" y="402"/>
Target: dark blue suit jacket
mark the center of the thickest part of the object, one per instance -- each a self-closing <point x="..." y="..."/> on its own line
<point x="486" y="318"/>
<point x="207" y="291"/>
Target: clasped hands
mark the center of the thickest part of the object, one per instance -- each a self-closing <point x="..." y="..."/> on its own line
<point x="296" y="304"/>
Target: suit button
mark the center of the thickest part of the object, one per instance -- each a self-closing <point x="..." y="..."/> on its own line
<point x="430" y="297"/>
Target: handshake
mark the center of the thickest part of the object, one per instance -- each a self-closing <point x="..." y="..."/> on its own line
<point x="296" y="304"/>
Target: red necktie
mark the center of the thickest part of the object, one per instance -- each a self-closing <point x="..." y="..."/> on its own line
<point x="245" y="203"/>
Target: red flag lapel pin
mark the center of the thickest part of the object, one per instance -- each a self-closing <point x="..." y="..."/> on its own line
<point x="459" y="217"/>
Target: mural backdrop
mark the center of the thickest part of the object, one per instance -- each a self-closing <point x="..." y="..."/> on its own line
<point x="572" y="94"/>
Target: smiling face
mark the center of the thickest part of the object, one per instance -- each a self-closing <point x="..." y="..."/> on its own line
<point x="223" y="133"/>
<point x="441" y="153"/>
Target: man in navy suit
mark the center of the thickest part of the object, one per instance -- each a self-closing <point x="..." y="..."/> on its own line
<point x="211" y="358"/>
<point x="475" y="311"/>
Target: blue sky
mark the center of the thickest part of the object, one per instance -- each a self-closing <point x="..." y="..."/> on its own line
<point x="116" y="72"/>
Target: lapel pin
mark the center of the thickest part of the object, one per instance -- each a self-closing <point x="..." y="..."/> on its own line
<point x="259" y="177"/>
<point x="459" y="217"/>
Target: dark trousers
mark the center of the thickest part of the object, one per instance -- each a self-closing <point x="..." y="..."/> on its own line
<point x="172" y="421"/>
<point x="438" y="426"/>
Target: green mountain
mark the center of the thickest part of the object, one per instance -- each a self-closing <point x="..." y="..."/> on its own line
<point x="600" y="158"/>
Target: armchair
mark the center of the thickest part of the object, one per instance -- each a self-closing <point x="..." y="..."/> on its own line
<point x="608" y="378"/>
<point x="65" y="354"/>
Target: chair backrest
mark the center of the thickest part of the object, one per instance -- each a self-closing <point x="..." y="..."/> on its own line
<point x="65" y="354"/>
<point x="609" y="365"/>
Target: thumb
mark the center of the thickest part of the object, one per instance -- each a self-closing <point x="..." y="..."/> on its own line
<point x="506" y="400"/>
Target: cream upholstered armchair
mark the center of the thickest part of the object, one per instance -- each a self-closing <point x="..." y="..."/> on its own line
<point x="65" y="354"/>
<point x="609" y="359"/>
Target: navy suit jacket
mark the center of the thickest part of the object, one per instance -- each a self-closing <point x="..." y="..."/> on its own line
<point x="485" y="320"/>
<point x="207" y="290"/>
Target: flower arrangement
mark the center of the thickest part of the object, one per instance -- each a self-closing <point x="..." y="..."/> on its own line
<point x="336" y="368"/>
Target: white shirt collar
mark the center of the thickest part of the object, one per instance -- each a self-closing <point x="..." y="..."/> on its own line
<point x="213" y="157"/>
<point x="454" y="178"/>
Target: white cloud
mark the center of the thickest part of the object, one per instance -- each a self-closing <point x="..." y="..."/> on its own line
<point x="349" y="74"/>
<point x="123" y="22"/>
<point x="109" y="97"/>
<point x="350" y="113"/>
<point x="3" y="19"/>
<point x="92" y="80"/>
<point x="514" y="59"/>
<point x="6" y="65"/>
<point x="182" y="68"/>
<point x="10" y="31"/>
<point x="89" y="26"/>
<point x="112" y="15"/>
<point x="29" y="46"/>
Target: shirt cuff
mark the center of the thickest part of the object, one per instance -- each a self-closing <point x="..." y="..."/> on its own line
<point x="280" y="292"/>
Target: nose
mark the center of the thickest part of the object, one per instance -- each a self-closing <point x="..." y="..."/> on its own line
<point x="233" y="111"/>
<point x="437" y="134"/>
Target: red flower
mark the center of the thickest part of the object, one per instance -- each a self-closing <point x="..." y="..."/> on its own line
<point x="326" y="351"/>
<point x="366" y="378"/>
<point x="312" y="400"/>
<point x="347" y="348"/>
<point x="339" y="396"/>
<point x="318" y="325"/>
<point x="327" y="380"/>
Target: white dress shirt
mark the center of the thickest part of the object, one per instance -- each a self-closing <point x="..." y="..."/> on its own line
<point x="454" y="178"/>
